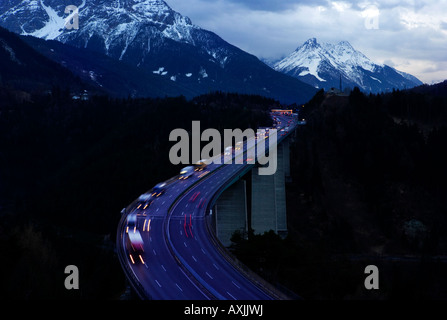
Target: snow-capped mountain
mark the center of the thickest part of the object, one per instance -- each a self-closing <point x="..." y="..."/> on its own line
<point x="123" y="29"/>
<point x="150" y="35"/>
<point x="322" y="65"/>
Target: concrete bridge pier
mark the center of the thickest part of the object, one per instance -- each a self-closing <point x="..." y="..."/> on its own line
<point x="256" y="202"/>
<point x="268" y="196"/>
<point x="231" y="212"/>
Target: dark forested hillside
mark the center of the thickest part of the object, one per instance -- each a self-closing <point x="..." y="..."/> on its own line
<point x="424" y="105"/>
<point x="23" y="68"/>
<point x="369" y="185"/>
<point x="68" y="167"/>
<point x="357" y="159"/>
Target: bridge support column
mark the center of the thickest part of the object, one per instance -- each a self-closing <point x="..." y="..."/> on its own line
<point x="231" y="212"/>
<point x="286" y="157"/>
<point x="268" y="197"/>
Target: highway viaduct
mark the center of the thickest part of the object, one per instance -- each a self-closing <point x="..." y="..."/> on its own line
<point x="256" y="202"/>
<point x="187" y="229"/>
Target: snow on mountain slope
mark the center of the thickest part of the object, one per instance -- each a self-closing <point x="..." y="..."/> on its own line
<point x="149" y="35"/>
<point x="322" y="65"/>
<point x="107" y="26"/>
<point x="144" y="33"/>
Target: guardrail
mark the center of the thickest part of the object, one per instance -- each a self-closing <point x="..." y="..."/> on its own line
<point x="120" y="249"/>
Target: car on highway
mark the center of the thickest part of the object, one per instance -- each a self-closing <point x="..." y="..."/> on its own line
<point x="200" y="165"/>
<point x="131" y="222"/>
<point x="135" y="246"/>
<point x="228" y="151"/>
<point x="201" y="203"/>
<point x="186" y="172"/>
<point x="145" y="200"/>
<point x="194" y="196"/>
<point x="159" y="189"/>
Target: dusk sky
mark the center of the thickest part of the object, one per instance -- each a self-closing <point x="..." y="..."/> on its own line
<point x="410" y="36"/>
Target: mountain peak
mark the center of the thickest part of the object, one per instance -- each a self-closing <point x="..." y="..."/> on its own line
<point x="149" y="5"/>
<point x="148" y="1"/>
<point x="321" y="65"/>
<point x="344" y="43"/>
<point x="153" y="38"/>
<point x="310" y="43"/>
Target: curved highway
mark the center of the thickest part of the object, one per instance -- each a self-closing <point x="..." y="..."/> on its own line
<point x="180" y="258"/>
